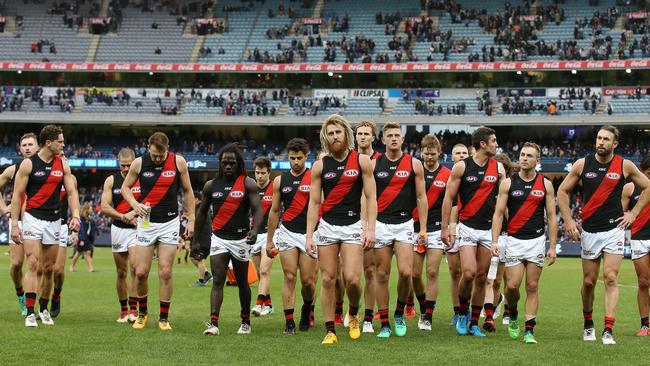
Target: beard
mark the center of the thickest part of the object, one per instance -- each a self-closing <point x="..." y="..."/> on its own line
<point x="337" y="148"/>
<point x="603" y="152"/>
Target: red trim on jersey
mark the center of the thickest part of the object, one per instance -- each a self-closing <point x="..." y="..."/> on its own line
<point x="641" y="221"/>
<point x="434" y="192"/>
<point x="481" y="194"/>
<point x="230" y="205"/>
<point x="124" y="206"/>
<point x="528" y="208"/>
<point x="375" y="155"/>
<point x="62" y="194"/>
<point x="49" y="187"/>
<point x="394" y="187"/>
<point x="266" y="205"/>
<point x="604" y="190"/>
<point x="161" y="187"/>
<point x="299" y="201"/>
<point x="344" y="185"/>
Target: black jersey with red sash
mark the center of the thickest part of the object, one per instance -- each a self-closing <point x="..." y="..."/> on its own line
<point x="395" y="189"/>
<point x="435" y="184"/>
<point x="63" y="196"/>
<point x="44" y="188"/>
<point x="477" y="193"/>
<point x="526" y="202"/>
<point x="641" y="226"/>
<point x="119" y="203"/>
<point x="602" y="185"/>
<point x="159" y="187"/>
<point x="266" y="200"/>
<point x="230" y="207"/>
<point x="294" y="193"/>
<point x="342" y="186"/>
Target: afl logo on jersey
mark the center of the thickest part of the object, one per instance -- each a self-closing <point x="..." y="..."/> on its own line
<point x="287" y="189"/>
<point x="471" y="179"/>
<point x="614" y="176"/>
<point x="382" y="174"/>
<point x="490" y="178"/>
<point x="636" y="198"/>
<point x="39" y="173"/>
<point x="351" y="173"/>
<point x="57" y="173"/>
<point x="148" y="174"/>
<point x="517" y="193"/>
<point x="402" y="174"/>
<point x="217" y="194"/>
<point x="591" y="175"/>
<point x="168" y="173"/>
<point x="537" y="193"/>
<point x="329" y="175"/>
<point x="118" y="191"/>
<point x="236" y="194"/>
<point x="439" y="184"/>
<point x="304" y="188"/>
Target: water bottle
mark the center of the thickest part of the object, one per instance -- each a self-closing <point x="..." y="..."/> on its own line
<point x="274" y="252"/>
<point x="147" y="216"/>
<point x="421" y="242"/>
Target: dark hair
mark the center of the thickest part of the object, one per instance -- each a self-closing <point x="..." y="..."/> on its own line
<point x="645" y="163"/>
<point x="233" y="147"/>
<point x="49" y="132"/>
<point x="613" y="130"/>
<point x="29" y="135"/>
<point x="482" y="134"/>
<point x="262" y="162"/>
<point x="159" y="140"/>
<point x="298" y="145"/>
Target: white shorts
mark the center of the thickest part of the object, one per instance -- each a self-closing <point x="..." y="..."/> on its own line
<point x="455" y="247"/>
<point x="122" y="239"/>
<point x="639" y="248"/>
<point x="20" y="227"/>
<point x="388" y="234"/>
<point x="433" y="239"/>
<point x="158" y="232"/>
<point x="64" y="238"/>
<point x="471" y="237"/>
<point x="594" y="244"/>
<point x="525" y="250"/>
<point x="329" y="234"/>
<point x="286" y="239"/>
<point x="45" y="231"/>
<point x="260" y="244"/>
<point x="237" y="248"/>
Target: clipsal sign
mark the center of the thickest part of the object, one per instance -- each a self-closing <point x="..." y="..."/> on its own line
<point x="368" y="93"/>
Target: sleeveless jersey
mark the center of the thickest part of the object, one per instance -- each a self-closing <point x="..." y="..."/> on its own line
<point x="119" y="203"/>
<point x="294" y="193"/>
<point x="435" y="184"/>
<point x="477" y="194"/>
<point x="44" y="187"/>
<point x="602" y="185"/>
<point x="159" y="186"/>
<point x="342" y="185"/>
<point x="266" y="200"/>
<point x="641" y="226"/>
<point x="395" y="189"/>
<point x="526" y="202"/>
<point x="230" y="207"/>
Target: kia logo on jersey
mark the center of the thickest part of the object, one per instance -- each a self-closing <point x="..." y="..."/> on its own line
<point x="135" y="189"/>
<point x="351" y="173"/>
<point x="39" y="173"/>
<point x="401" y="174"/>
<point x="382" y="174"/>
<point x="471" y="179"/>
<point x="614" y="176"/>
<point x="148" y="174"/>
<point x="236" y="194"/>
<point x="591" y="175"/>
<point x="267" y="198"/>
<point x="490" y="178"/>
<point x="439" y="184"/>
<point x="168" y="173"/>
<point x="57" y="173"/>
<point x="287" y="189"/>
<point x="537" y="193"/>
<point x="517" y="193"/>
<point x="329" y="175"/>
<point x="217" y="194"/>
<point x="304" y="188"/>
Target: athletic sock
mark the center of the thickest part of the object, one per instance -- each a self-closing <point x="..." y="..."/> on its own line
<point x="133" y="304"/>
<point x="214" y="319"/>
<point x="409" y="302"/>
<point x="383" y="315"/>
<point x="30" y="301"/>
<point x="42" y="303"/>
<point x="514" y="313"/>
<point x="489" y="311"/>
<point x="463" y="305"/>
<point x="588" y="316"/>
<point x="20" y="291"/>
<point x="124" y="307"/>
<point x="354" y="310"/>
<point x="422" y="300"/>
<point x="164" y="309"/>
<point x="142" y="305"/>
<point x="609" y="324"/>
<point x="267" y="300"/>
<point x="329" y="327"/>
<point x="245" y="316"/>
<point x="288" y="316"/>
<point x="429" y="306"/>
<point x="530" y="325"/>
<point x="304" y="310"/>
<point x="456" y="310"/>
<point x="367" y="317"/>
<point x="399" y="308"/>
<point x="506" y="311"/>
<point x="56" y="295"/>
<point x="312" y="309"/>
<point x="260" y="300"/>
<point x="476" y="313"/>
<point x="645" y="322"/>
<point x="339" y="308"/>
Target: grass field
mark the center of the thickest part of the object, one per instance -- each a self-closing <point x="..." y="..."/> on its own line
<point x="86" y="332"/>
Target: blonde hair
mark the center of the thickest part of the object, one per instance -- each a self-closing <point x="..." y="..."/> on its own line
<point x="430" y="142"/>
<point x="390" y="125"/>
<point x="367" y="123"/>
<point x="336" y="119"/>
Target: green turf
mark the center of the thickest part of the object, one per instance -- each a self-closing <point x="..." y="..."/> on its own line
<point x="86" y="332"/>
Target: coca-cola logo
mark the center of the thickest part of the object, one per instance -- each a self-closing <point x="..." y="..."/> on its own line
<point x="421" y="67"/>
<point x="442" y="67"/>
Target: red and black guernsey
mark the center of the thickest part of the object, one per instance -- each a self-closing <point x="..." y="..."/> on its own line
<point x="395" y="189"/>
<point x="44" y="187"/>
<point x="435" y="183"/>
<point x="159" y="187"/>
<point x="526" y="202"/>
<point x="641" y="226"/>
<point x="602" y="185"/>
<point x="266" y="200"/>
<point x="230" y="207"/>
<point x="477" y="194"/>
<point x="294" y="193"/>
<point x="119" y="203"/>
<point x="342" y="186"/>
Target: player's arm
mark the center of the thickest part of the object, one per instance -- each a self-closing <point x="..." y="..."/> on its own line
<point x="453" y="183"/>
<point x="628" y="190"/>
<point x="370" y="197"/>
<point x="188" y="196"/>
<point x="5" y="178"/>
<point x="499" y="213"/>
<point x="274" y="215"/>
<point x="20" y="185"/>
<point x="107" y="207"/>
<point x="315" y="196"/>
<point x="421" y="195"/>
<point x="130" y="180"/>
<point x="201" y="217"/>
<point x="453" y="221"/>
<point x="631" y="172"/>
<point x="70" y="184"/>
<point x="256" y="208"/>
<point x="551" y="218"/>
<point x="569" y="182"/>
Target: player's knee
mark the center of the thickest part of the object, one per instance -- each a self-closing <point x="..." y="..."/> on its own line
<point x="290" y="277"/>
<point x="469" y="274"/>
<point x="417" y="277"/>
<point x="432" y="274"/>
<point x="265" y="272"/>
<point x="352" y="280"/>
<point x="512" y="286"/>
<point x="455" y="274"/>
<point x="141" y="274"/>
<point x="480" y="278"/>
<point x="329" y="280"/>
<point x="121" y="274"/>
<point x="165" y="274"/>
<point x="644" y="283"/>
<point x="381" y="276"/>
<point x="589" y="282"/>
<point x="611" y="279"/>
<point x="531" y="286"/>
<point x="405" y="273"/>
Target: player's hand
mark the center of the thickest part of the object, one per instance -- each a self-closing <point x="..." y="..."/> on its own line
<point x="626" y="220"/>
<point x="368" y="239"/>
<point x="251" y="237"/>
<point x="141" y="209"/>
<point x="444" y="236"/>
<point x="74" y="224"/>
<point x="129" y="218"/>
<point x="495" y="249"/>
<point x="311" y="248"/>
<point x="269" y="249"/>
<point x="189" y="230"/>
<point x="16" y="234"/>
<point x="195" y="252"/>
<point x="74" y="238"/>
<point x="551" y="256"/>
<point x="573" y="230"/>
